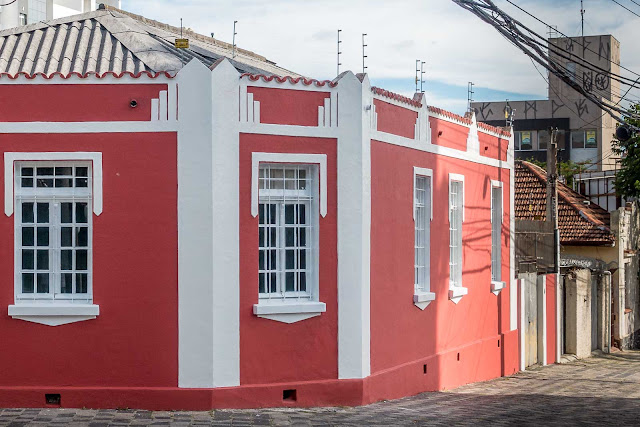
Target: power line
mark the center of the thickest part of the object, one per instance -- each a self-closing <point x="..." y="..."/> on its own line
<point x="625" y="7"/>
<point x="634" y="2"/>
<point x="7" y="4"/>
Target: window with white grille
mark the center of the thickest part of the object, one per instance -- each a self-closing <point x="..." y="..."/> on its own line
<point x="288" y="222"/>
<point x="496" y="233"/>
<point x="422" y="218"/>
<point x="53" y="231"/>
<point x="456" y="218"/>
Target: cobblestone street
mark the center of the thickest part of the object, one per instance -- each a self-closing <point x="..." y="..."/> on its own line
<point x="595" y="391"/>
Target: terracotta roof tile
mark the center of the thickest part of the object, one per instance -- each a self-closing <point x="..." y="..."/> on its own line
<point x="292" y="80"/>
<point x="580" y="223"/>
<point x="395" y="96"/>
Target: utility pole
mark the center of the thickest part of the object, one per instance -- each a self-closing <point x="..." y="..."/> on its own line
<point x="582" y="11"/>
<point x="233" y="55"/>
<point x="339" y="53"/>
<point x="552" y="193"/>
<point x="364" y="67"/>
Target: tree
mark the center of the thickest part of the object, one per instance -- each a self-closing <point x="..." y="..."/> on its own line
<point x="627" y="181"/>
<point x="565" y="169"/>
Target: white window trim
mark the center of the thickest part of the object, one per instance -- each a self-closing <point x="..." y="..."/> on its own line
<point x="318" y="159"/>
<point x="422" y="299"/>
<point x="289" y="310"/>
<point x="496" y="286"/>
<point x="93" y="157"/>
<point x="457" y="292"/>
<point x="47" y="312"/>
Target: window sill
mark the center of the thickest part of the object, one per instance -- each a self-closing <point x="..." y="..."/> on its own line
<point x="53" y="314"/>
<point x="456" y="293"/>
<point x="496" y="287"/>
<point x="288" y="312"/>
<point x="423" y="299"/>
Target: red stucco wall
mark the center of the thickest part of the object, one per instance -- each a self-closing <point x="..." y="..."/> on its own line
<point x="134" y="340"/>
<point x="448" y="134"/>
<point x="77" y="103"/>
<point x="270" y="351"/>
<point x="395" y="120"/>
<point x="402" y="334"/>
<point x="288" y="106"/>
<point x="493" y="147"/>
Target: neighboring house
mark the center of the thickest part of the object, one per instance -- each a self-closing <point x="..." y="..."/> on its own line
<point x="200" y="237"/>
<point x="586" y="131"/>
<point x="23" y="12"/>
<point x="596" y="248"/>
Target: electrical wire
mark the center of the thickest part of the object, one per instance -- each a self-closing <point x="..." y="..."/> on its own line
<point x="7" y="4"/>
<point x="634" y="2"/>
<point x="625" y="7"/>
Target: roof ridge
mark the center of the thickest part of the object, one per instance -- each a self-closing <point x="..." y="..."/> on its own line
<point x="50" y="23"/>
<point x="564" y="192"/>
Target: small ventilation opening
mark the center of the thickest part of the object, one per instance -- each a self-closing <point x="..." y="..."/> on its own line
<point x="498" y="343"/>
<point x="458" y="357"/>
<point x="52" y="399"/>
<point x="289" y="395"/>
<point x="424" y="368"/>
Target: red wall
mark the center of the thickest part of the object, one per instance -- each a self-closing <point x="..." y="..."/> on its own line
<point x="288" y="106"/>
<point x="273" y="351"/>
<point x="449" y="134"/>
<point x="551" y="318"/>
<point x="400" y="332"/>
<point x="134" y="340"/>
<point x="77" y="103"/>
<point x="493" y="147"/>
<point x="395" y="120"/>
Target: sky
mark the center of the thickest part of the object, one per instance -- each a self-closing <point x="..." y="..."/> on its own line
<point x="457" y="47"/>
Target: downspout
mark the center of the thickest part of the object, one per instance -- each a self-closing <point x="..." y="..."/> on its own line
<point x="608" y="308"/>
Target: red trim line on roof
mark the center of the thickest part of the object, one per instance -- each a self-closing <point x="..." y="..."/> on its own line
<point x="450" y="115"/>
<point x="395" y="96"/>
<point x="292" y="80"/>
<point x="86" y="75"/>
<point x="495" y="129"/>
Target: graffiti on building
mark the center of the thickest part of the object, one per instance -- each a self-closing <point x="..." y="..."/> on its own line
<point x="555" y="106"/>
<point x="485" y="110"/>
<point x="582" y="107"/>
<point x="530" y="106"/>
<point x="587" y="81"/>
<point x="602" y="81"/>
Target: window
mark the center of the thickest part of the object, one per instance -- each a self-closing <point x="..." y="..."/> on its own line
<point x="23" y="19"/>
<point x="571" y="71"/>
<point x="497" y="212"/>
<point x="524" y="140"/>
<point x="422" y="214"/>
<point x="543" y="139"/>
<point x="456" y="219"/>
<point x="584" y="139"/>
<point x="53" y="232"/>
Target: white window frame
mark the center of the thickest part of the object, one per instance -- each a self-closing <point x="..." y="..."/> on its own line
<point x="422" y="295"/>
<point x="456" y="290"/>
<point x="50" y="311"/>
<point x="497" y="284"/>
<point x="290" y="310"/>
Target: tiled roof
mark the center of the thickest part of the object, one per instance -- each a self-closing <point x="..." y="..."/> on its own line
<point x="495" y="129"/>
<point x="395" y="96"/>
<point x="449" y="114"/>
<point x="292" y="80"/>
<point x="581" y="223"/>
<point x="116" y="41"/>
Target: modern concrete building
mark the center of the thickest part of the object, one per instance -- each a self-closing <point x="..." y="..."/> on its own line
<point x="588" y="131"/>
<point x="24" y="12"/>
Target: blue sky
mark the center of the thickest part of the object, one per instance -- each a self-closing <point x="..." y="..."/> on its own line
<point x="456" y="46"/>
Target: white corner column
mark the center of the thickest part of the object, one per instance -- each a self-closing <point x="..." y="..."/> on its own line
<point x="354" y="226"/>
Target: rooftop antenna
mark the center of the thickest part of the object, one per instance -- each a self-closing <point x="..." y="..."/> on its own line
<point x="339" y="53"/>
<point x="470" y="93"/>
<point x="582" y="12"/>
<point x="422" y="75"/>
<point x="233" y="54"/>
<point x="417" y="71"/>
<point x="364" y="67"/>
<point x="181" y="58"/>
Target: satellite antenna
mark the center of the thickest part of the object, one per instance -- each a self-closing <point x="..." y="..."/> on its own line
<point x="339" y="53"/>
<point x="582" y="12"/>
<point x="422" y="75"/>
<point x="470" y="93"/>
<point x="364" y="67"/>
<point x="417" y="71"/>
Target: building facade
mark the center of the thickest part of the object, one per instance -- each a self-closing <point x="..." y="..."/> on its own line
<point x="586" y="131"/>
<point x="25" y="12"/>
<point x="218" y="239"/>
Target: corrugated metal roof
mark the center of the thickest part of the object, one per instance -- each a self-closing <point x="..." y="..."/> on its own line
<point x="116" y="41"/>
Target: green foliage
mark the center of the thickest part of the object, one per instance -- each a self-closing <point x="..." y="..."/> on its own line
<point x="565" y="169"/>
<point x="628" y="177"/>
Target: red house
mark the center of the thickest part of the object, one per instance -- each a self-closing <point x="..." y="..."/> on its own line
<point x="212" y="239"/>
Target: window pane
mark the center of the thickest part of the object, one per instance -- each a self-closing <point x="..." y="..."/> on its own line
<point x="82" y="283"/>
<point x="289" y="214"/>
<point x="27" y="171"/>
<point x="82" y="182"/>
<point x="82" y="237"/>
<point x="302" y="219"/>
<point x="81" y="213"/>
<point x="44" y="171"/>
<point x="290" y="236"/>
<point x="303" y="282"/>
<point x="66" y="260"/>
<point x="64" y="183"/>
<point x="66" y="283"/>
<point x="261" y="233"/>
<point x="261" y="284"/>
<point x="261" y="255"/>
<point x="64" y="171"/>
<point x="43" y="213"/>
<point x="27" y="182"/>
<point x="543" y="139"/>
<point x="526" y="140"/>
<point x="290" y="256"/>
<point x="577" y="139"/>
<point x="27" y="260"/>
<point x="302" y="236"/>
<point x="81" y="260"/>
<point x="591" y="139"/>
<point x="303" y="259"/>
<point x="28" y="216"/>
<point x="290" y="282"/>
<point x="43" y="260"/>
<point x="43" y="236"/>
<point x="66" y="237"/>
<point x="27" y="283"/>
<point x="66" y="213"/>
<point x="43" y="283"/>
<point x="27" y="236"/>
<point x="44" y="183"/>
<point x="82" y="171"/>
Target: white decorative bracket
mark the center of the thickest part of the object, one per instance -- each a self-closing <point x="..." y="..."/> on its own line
<point x="374" y="116"/>
<point x="94" y="157"/>
<point x="473" y="142"/>
<point x="328" y="113"/>
<point x="422" y="127"/>
<point x="249" y="109"/>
